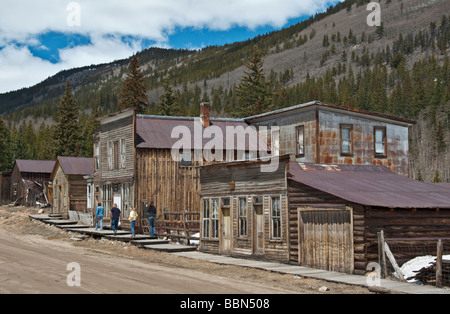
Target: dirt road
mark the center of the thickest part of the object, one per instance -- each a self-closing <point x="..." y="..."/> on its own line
<point x="34" y="258"/>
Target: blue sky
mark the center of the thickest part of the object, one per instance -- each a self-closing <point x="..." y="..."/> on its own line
<point x="40" y="38"/>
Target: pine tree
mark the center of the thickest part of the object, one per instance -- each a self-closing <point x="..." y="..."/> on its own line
<point x="169" y="105"/>
<point x="67" y="138"/>
<point x="254" y="92"/>
<point x="134" y="92"/>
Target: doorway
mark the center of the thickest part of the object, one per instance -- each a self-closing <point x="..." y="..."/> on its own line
<point x="225" y="226"/>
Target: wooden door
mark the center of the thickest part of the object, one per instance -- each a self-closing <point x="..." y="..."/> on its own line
<point x="326" y="239"/>
<point x="258" y="229"/>
<point x="225" y="245"/>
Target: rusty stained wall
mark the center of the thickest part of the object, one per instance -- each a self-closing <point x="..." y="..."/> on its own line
<point x="288" y="125"/>
<point x="329" y="139"/>
<point x="363" y="142"/>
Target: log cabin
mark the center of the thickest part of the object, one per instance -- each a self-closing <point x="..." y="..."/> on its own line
<point x="69" y="185"/>
<point x="316" y="215"/>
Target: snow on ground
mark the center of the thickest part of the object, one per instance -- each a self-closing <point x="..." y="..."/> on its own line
<point x="416" y="264"/>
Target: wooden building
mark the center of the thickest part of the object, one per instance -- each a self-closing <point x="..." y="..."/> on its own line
<point x="29" y="181"/>
<point x="320" y="216"/>
<point x="5" y="186"/>
<point x="328" y="134"/>
<point x="69" y="185"/>
<point x="139" y="158"/>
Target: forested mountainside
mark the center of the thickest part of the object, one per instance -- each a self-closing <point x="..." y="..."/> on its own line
<point x="399" y="68"/>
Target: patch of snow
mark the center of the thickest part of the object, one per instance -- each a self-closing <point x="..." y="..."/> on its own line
<point x="410" y="268"/>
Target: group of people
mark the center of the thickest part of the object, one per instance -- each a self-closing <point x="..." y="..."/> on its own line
<point x="114" y="214"/>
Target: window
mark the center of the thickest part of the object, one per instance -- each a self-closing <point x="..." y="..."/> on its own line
<point x="346" y="139"/>
<point x="215" y="219"/>
<point x="242" y="217"/>
<point x="380" y="142"/>
<point x="116" y="155"/>
<point x="275" y="141"/>
<point x="225" y="202"/>
<point x="126" y="199"/>
<point x="186" y="158"/>
<point x="110" y="155"/>
<point x="97" y="156"/>
<point x="206" y="221"/>
<point x="276" y="218"/>
<point x="106" y="197"/>
<point x="300" y="137"/>
<point x="122" y="153"/>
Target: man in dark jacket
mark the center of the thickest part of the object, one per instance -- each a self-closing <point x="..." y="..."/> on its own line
<point x="115" y="216"/>
<point x="150" y="213"/>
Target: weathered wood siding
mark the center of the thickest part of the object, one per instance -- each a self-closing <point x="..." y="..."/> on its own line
<point x="247" y="182"/>
<point x="166" y="182"/>
<point x="60" y="184"/>
<point x="114" y="131"/>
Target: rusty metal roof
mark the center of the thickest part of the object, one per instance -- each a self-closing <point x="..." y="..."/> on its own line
<point x="370" y="186"/>
<point x="35" y="166"/>
<point x="75" y="165"/>
<point x="156" y="132"/>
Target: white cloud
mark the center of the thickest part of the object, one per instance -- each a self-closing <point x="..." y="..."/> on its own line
<point x="21" y="21"/>
<point x="19" y="68"/>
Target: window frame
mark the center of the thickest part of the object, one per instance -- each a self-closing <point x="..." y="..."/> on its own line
<point x="298" y="129"/>
<point x="242" y="218"/>
<point x="275" y="235"/>
<point x="384" y="141"/>
<point x="341" y="128"/>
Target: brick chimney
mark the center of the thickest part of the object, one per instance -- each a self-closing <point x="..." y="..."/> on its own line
<point x="204" y="114"/>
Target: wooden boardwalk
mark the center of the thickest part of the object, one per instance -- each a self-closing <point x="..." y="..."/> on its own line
<point x="384" y="286"/>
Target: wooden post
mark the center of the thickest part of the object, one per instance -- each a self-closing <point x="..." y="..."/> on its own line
<point x="440" y="249"/>
<point x="382" y="254"/>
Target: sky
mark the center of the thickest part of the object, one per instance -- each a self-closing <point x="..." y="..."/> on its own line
<point x="40" y="38"/>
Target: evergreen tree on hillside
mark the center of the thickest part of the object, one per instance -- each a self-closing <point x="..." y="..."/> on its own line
<point x="67" y="138"/>
<point x="134" y="92"/>
<point x="254" y="92"/>
<point x="4" y="146"/>
<point x="169" y="105"/>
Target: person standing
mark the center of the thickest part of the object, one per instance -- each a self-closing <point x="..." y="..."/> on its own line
<point x="115" y="216"/>
<point x="133" y="218"/>
<point x="150" y="213"/>
<point x="99" y="216"/>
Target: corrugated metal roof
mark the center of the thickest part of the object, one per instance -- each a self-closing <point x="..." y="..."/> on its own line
<point x="156" y="132"/>
<point x="76" y="165"/>
<point x="370" y="185"/>
<point x="35" y="166"/>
